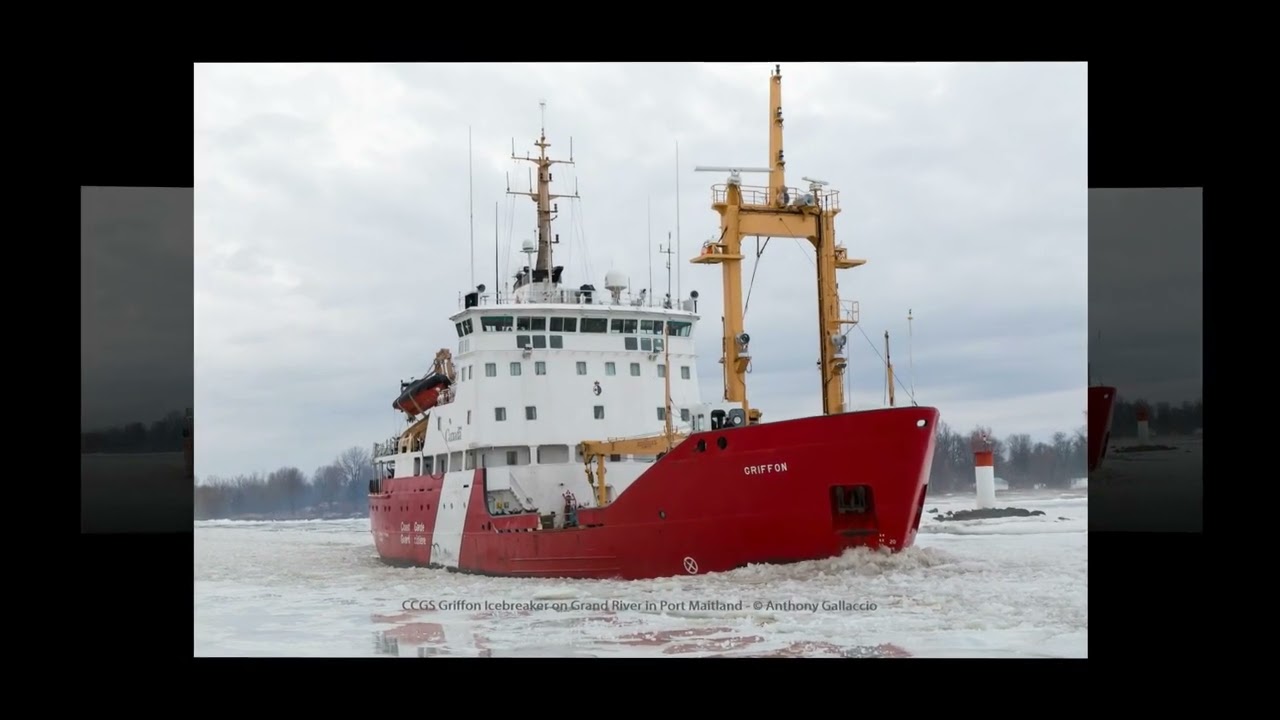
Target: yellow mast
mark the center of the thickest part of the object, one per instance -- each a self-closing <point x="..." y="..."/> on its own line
<point x="666" y="381"/>
<point x="543" y="196"/>
<point x="778" y="211"/>
<point x="888" y="367"/>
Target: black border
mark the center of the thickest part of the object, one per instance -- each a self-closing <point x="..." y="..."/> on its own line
<point x="1145" y="129"/>
<point x="1143" y="132"/>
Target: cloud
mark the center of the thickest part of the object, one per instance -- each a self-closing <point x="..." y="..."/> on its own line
<point x="1146" y="291"/>
<point x="135" y="315"/>
<point x="333" y="229"/>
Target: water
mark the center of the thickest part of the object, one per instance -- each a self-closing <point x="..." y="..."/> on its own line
<point x="991" y="588"/>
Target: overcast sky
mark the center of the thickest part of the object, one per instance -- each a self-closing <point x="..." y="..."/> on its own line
<point x="135" y="311"/>
<point x="332" y="230"/>
<point x="1146" y="292"/>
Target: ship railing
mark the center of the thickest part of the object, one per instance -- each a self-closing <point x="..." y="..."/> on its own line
<point x="759" y="196"/>
<point x="383" y="449"/>
<point x="564" y="296"/>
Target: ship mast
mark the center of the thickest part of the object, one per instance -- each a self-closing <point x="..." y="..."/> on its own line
<point x="542" y="196"/>
<point x="778" y="211"/>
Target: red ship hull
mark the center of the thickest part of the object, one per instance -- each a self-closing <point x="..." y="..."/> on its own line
<point x="1102" y="400"/>
<point x="774" y="493"/>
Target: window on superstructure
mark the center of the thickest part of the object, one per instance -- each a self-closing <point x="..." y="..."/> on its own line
<point x="497" y="323"/>
<point x="646" y="327"/>
<point x="442" y="463"/>
<point x="646" y="344"/>
<point x="599" y="411"/>
<point x="635" y="369"/>
<point x="610" y="368"/>
<point x="684" y="372"/>
<point x="630" y="343"/>
<point x="491" y="369"/>
<point x="467" y="327"/>
<point x="512" y="457"/>
<point x="662" y="414"/>
<point x="684" y="414"/>
<point x="468" y="417"/>
<point x="564" y="324"/>
<point x="557" y="342"/>
<point x="535" y="324"/>
<point x="662" y="370"/>
<point x="582" y="368"/>
<point x="530" y="413"/>
<point x="459" y="327"/>
<point x="657" y="344"/>
<point x="594" y="325"/>
<point x="539" y="368"/>
<point x="515" y="368"/>
<point x="427" y="465"/>
<point x="539" y="342"/>
<point x="623" y="325"/>
<point x="522" y="341"/>
<point x="679" y="328"/>
<point x="500" y="414"/>
<point x="439" y="423"/>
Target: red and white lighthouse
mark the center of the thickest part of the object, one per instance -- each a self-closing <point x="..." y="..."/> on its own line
<point x="1144" y="430"/>
<point x="984" y="475"/>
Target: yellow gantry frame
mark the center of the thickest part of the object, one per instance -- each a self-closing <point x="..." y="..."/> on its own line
<point x="771" y="212"/>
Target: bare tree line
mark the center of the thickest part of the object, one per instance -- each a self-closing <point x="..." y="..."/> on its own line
<point x="339" y="489"/>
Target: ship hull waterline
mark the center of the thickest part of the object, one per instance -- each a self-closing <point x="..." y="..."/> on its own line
<point x="778" y="492"/>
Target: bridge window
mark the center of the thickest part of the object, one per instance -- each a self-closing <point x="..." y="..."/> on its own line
<point x="539" y="368"/>
<point x="500" y="414"/>
<point x="531" y="323"/>
<point x="684" y="414"/>
<point x="515" y="368"/>
<point x="594" y="325"/>
<point x="630" y="343"/>
<point x="610" y="368"/>
<point x="650" y="327"/>
<point x="496" y="323"/>
<point x="662" y="371"/>
<point x="530" y="413"/>
<point x="491" y="369"/>
<point x="564" y="324"/>
<point x="662" y="414"/>
<point x="582" y="368"/>
<point x="623" y="325"/>
<point x="684" y="372"/>
<point x="679" y="328"/>
<point x="557" y="342"/>
<point x="635" y="369"/>
<point x="599" y="412"/>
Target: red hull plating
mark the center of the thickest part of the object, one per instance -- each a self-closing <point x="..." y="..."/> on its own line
<point x="696" y="511"/>
<point x="1102" y="399"/>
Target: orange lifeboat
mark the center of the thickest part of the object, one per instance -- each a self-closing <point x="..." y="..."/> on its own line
<point x="419" y="396"/>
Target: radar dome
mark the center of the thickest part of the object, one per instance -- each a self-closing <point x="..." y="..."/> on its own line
<point x="614" y="280"/>
<point x="529" y="246"/>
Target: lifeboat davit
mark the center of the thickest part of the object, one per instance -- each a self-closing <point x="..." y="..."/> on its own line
<point x="421" y="395"/>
